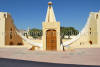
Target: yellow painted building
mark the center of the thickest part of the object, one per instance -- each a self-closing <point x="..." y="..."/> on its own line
<point x="88" y="37"/>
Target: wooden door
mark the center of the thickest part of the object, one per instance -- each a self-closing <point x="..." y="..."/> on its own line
<point x="51" y="42"/>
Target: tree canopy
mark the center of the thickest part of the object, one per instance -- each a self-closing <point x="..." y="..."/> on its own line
<point x="68" y="31"/>
<point x="35" y="33"/>
<point x="64" y="31"/>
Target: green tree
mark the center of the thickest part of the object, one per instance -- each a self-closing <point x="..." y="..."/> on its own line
<point x="68" y="31"/>
<point x="35" y="33"/>
<point x="64" y="31"/>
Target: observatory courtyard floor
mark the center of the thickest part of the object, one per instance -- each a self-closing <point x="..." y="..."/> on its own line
<point x="83" y="56"/>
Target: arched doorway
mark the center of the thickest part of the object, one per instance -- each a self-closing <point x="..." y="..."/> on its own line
<point x="19" y="44"/>
<point x="90" y="42"/>
<point x="11" y="43"/>
<point x="51" y="41"/>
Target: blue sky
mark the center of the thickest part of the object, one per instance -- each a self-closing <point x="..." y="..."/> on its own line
<point x="32" y="13"/>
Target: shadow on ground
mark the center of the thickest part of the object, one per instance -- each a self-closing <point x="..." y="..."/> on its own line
<point x="4" y="62"/>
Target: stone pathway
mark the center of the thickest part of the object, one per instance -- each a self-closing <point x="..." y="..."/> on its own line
<point x="84" y="56"/>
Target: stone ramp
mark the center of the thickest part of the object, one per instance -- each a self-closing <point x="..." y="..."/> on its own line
<point x="31" y="42"/>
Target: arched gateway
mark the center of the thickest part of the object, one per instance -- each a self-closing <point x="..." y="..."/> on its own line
<point x="51" y="31"/>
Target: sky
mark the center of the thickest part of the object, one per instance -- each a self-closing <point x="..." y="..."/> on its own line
<point x="31" y="13"/>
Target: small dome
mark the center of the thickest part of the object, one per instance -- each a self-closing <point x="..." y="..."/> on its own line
<point x="50" y="3"/>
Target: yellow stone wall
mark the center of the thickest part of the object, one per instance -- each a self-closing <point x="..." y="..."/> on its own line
<point x="98" y="27"/>
<point x="93" y="28"/>
<point x="91" y="32"/>
<point x="2" y="28"/>
<point x="6" y="26"/>
<point x="10" y="29"/>
<point x="51" y="25"/>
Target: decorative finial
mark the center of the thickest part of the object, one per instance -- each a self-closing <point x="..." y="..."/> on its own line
<point x="50" y="3"/>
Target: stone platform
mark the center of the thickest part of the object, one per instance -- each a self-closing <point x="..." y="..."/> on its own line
<point x="83" y="56"/>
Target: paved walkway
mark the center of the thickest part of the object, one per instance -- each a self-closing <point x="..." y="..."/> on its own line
<point x="77" y="57"/>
